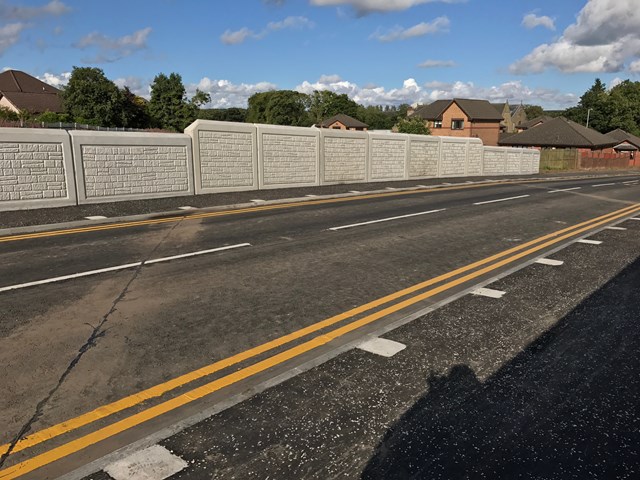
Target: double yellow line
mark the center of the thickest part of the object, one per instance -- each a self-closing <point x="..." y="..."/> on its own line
<point x="476" y="270"/>
<point x="223" y="213"/>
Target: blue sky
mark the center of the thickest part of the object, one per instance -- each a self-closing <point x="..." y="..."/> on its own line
<point x="544" y="52"/>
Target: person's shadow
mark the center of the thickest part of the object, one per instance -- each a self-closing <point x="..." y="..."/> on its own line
<point x="567" y="407"/>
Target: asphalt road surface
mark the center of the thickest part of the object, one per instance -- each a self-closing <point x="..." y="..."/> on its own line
<point x="229" y="340"/>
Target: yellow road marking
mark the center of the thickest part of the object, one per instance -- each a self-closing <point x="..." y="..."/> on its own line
<point x="158" y="390"/>
<point x="204" y="390"/>
<point x="114" y="226"/>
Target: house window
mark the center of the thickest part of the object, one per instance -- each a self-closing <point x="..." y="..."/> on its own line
<point x="457" y="124"/>
<point x="437" y="124"/>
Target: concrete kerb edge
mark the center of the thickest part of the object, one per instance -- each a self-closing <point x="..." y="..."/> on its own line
<point x="167" y="432"/>
<point x="182" y="213"/>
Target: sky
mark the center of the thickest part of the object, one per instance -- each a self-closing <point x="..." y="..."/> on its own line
<point x="379" y="52"/>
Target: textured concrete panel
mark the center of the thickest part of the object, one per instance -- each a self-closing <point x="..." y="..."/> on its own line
<point x="36" y="169"/>
<point x="225" y="156"/>
<point x="513" y="161"/>
<point x="424" y="156"/>
<point x="288" y="156"/>
<point x="474" y="165"/>
<point x="530" y="163"/>
<point x="343" y="156"/>
<point x="454" y="157"/>
<point x="388" y="156"/>
<point x="113" y="166"/>
<point x="494" y="160"/>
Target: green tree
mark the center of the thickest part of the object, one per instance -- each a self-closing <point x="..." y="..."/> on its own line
<point x="416" y="126"/>
<point x="323" y="104"/>
<point x="90" y="97"/>
<point x="169" y="107"/>
<point x="533" y="111"/>
<point x="134" y="113"/>
<point x="53" y="117"/>
<point x="624" y="107"/>
<point x="200" y="98"/>
<point x="593" y="106"/>
<point x="279" y="107"/>
<point x="224" y="114"/>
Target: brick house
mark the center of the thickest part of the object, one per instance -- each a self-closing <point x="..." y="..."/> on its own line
<point x="462" y="118"/>
<point x="627" y="142"/>
<point x="343" y="122"/>
<point x="22" y="92"/>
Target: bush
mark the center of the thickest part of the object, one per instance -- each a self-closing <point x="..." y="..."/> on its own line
<point x="416" y="126"/>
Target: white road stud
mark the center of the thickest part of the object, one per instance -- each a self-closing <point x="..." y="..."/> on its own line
<point x="489" y="292"/>
<point x="550" y="262"/>
<point x="96" y="217"/>
<point x="152" y="463"/>
<point x="590" y="242"/>
<point x="615" y="228"/>
<point x="382" y="347"/>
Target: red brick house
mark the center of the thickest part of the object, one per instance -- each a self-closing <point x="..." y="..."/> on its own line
<point x="343" y="122"/>
<point x="462" y="118"/>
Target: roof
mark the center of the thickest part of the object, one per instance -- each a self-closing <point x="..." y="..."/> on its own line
<point x="534" y="121"/>
<point x="621" y="136"/>
<point x="474" y="109"/>
<point x="346" y="120"/>
<point x="499" y="106"/>
<point x="561" y="133"/>
<point x="28" y="93"/>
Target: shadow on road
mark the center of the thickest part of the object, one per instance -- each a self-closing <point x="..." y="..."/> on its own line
<point x="566" y="407"/>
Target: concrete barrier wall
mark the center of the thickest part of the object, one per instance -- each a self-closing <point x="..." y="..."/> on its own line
<point x="424" y="156"/>
<point x="225" y="156"/>
<point x="288" y="156"/>
<point x="113" y="166"/>
<point x="345" y="156"/>
<point x="36" y="169"/>
<point x="510" y="161"/>
<point x="388" y="156"/>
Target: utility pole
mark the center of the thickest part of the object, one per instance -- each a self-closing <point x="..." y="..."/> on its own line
<point x="588" y="112"/>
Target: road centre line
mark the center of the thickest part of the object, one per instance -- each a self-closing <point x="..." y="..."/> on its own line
<point x="118" y="267"/>
<point x="197" y="216"/>
<point x="335" y="229"/>
<point x="603" y="185"/>
<point x="154" y="411"/>
<point x="564" y="190"/>
<point x="502" y="200"/>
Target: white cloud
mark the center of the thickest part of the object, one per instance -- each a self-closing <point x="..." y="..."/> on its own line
<point x="364" y="7"/>
<point x="532" y="20"/>
<point x="236" y="37"/>
<point x="440" y="24"/>
<point x="604" y="37"/>
<point x="412" y="93"/>
<point x="112" y="49"/>
<point x="437" y="64"/>
<point x="12" y="12"/>
<point x="56" y="80"/>
<point x="10" y="34"/>
<point x="225" y="94"/>
<point x="634" y="67"/>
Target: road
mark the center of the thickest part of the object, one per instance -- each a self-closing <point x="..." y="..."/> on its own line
<point x="196" y="316"/>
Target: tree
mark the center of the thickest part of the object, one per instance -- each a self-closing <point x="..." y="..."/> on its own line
<point x="168" y="106"/>
<point x="593" y="106"/>
<point x="134" y="112"/>
<point x="224" y="114"/>
<point x="533" y="111"/>
<point x="624" y="107"/>
<point x="324" y="104"/>
<point x="415" y="125"/>
<point x="279" y="107"/>
<point x="90" y="97"/>
<point x="200" y="98"/>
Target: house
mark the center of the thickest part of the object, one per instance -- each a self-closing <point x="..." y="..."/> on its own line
<point x="343" y="122"/>
<point x="518" y="115"/>
<point x="512" y="115"/>
<point x="534" y="122"/>
<point x="626" y="142"/>
<point x="22" y="92"/>
<point x="462" y="118"/>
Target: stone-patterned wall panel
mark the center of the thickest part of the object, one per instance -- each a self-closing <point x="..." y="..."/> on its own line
<point x="474" y="166"/>
<point x="454" y="158"/>
<point x="288" y="156"/>
<point x="121" y="166"/>
<point x="345" y="157"/>
<point x="35" y="169"/>
<point x="513" y="161"/>
<point x="423" y="158"/>
<point x="388" y="155"/>
<point x="494" y="161"/>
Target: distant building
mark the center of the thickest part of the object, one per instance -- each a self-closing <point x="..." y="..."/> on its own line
<point x="343" y="122"/>
<point x="20" y="91"/>
<point x="512" y="116"/>
<point x="462" y="118"/>
<point x="626" y="142"/>
<point x="534" y="122"/>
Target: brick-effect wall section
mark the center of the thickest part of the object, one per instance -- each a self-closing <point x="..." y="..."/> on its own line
<point x="513" y="162"/>
<point x="494" y="162"/>
<point x="423" y="159"/>
<point x="387" y="158"/>
<point x="226" y="159"/>
<point x="474" y="166"/>
<point x="289" y="159"/>
<point x="345" y="159"/>
<point x="453" y="159"/>
<point x="132" y="170"/>
<point x="31" y="171"/>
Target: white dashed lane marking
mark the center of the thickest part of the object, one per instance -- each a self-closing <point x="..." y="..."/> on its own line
<point x="615" y="228"/>
<point x="565" y="190"/>
<point x="550" y="262"/>
<point x="382" y="347"/>
<point x="153" y="463"/>
<point x="258" y="200"/>
<point x="187" y="207"/>
<point x="96" y="217"/>
<point x="342" y="227"/>
<point x="603" y="185"/>
<point x="502" y="199"/>
<point x="590" y="242"/>
<point x="489" y="292"/>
